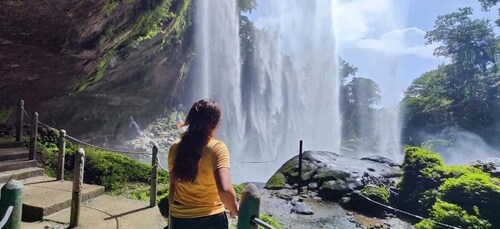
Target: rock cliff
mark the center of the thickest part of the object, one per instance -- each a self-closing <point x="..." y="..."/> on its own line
<point x="88" y="65"/>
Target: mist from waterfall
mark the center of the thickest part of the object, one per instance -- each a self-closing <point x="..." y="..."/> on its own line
<point x="292" y="93"/>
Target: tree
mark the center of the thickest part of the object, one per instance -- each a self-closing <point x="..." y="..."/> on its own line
<point x="247" y="5"/>
<point x="363" y="92"/>
<point x="471" y="44"/>
<point x="487" y="4"/>
<point x="346" y="70"/>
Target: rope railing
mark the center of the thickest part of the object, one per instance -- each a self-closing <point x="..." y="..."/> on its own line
<point x="85" y="143"/>
<point x="407" y="213"/>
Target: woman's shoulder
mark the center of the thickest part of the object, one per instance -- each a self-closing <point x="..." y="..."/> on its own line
<point x="215" y="143"/>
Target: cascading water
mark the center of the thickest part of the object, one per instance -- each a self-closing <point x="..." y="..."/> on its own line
<point x="292" y="93"/>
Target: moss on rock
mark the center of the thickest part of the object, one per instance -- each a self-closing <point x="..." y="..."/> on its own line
<point x="277" y="181"/>
<point x="379" y="194"/>
<point x="462" y="196"/>
<point x="454" y="215"/>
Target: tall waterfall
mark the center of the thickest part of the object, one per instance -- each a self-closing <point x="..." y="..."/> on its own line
<point x="292" y="94"/>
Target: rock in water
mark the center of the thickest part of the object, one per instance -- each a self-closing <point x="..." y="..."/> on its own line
<point x="302" y="208"/>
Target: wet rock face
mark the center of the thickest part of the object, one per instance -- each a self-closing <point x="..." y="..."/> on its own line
<point x="89" y="65"/>
<point x="332" y="175"/>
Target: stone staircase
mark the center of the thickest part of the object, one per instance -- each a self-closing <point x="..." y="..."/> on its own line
<point x="14" y="163"/>
<point x="42" y="195"/>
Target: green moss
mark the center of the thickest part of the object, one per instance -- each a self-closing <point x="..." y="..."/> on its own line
<point x="110" y="6"/>
<point x="99" y="74"/>
<point x="442" y="172"/>
<point x="477" y="193"/>
<point x="454" y="215"/>
<point x="271" y="221"/>
<point x="151" y="23"/>
<point x="460" y="195"/>
<point x="413" y="185"/>
<point x="277" y="181"/>
<point x="379" y="194"/>
<point x="290" y="168"/>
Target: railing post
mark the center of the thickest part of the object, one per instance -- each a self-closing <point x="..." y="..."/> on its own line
<point x="34" y="132"/>
<point x="249" y="207"/>
<point x="300" y="168"/>
<point x="11" y="205"/>
<point x="61" y="155"/>
<point x="76" y="198"/>
<point x="154" y="177"/>
<point x="20" y="118"/>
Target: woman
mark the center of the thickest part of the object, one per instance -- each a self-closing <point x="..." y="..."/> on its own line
<point x="200" y="181"/>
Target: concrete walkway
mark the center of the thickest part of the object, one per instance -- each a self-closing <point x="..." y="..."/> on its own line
<point x="107" y="212"/>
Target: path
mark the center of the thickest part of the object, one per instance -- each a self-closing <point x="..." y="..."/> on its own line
<point x="107" y="212"/>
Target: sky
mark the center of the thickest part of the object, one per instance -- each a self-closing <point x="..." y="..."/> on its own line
<point x="385" y="38"/>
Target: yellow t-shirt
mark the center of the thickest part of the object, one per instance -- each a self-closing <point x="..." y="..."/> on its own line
<point x="200" y="198"/>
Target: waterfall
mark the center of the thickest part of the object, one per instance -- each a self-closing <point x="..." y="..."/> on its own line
<point x="291" y="94"/>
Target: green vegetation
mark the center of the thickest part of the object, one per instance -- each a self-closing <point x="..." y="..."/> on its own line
<point x="111" y="170"/>
<point x="461" y="95"/>
<point x="5" y="114"/>
<point x="379" y="194"/>
<point x="238" y="188"/>
<point x="452" y="214"/>
<point x="271" y="221"/>
<point x="112" y="4"/>
<point x="150" y="24"/>
<point x="462" y="196"/>
<point x="277" y="181"/>
<point x="99" y="74"/>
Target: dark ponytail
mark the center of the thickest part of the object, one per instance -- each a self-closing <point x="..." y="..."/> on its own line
<point x="203" y="117"/>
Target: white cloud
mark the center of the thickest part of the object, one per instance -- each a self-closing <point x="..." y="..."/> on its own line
<point x="380" y="26"/>
<point x="408" y="41"/>
<point x="361" y="18"/>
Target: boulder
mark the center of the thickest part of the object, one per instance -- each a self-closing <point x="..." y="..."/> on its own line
<point x="334" y="175"/>
<point x="302" y="208"/>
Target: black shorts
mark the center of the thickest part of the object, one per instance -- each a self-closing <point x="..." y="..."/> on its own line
<point x="218" y="221"/>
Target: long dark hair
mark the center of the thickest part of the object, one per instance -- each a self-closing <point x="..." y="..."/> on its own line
<point x="203" y="117"/>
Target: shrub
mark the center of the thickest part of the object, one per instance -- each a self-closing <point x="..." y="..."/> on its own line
<point x="111" y="170"/>
<point x="238" y="188"/>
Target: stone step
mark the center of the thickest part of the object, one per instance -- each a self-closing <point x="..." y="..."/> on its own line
<point x="9" y="144"/>
<point x="44" y="196"/>
<point x="21" y="174"/>
<point x="16" y="164"/>
<point x="13" y="153"/>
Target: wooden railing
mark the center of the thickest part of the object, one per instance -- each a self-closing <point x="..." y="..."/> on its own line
<point x="250" y="198"/>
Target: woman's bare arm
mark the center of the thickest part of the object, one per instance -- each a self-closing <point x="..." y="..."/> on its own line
<point x="226" y="190"/>
<point x="171" y="195"/>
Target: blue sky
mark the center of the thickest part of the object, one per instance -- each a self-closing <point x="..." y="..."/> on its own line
<point x="385" y="38"/>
